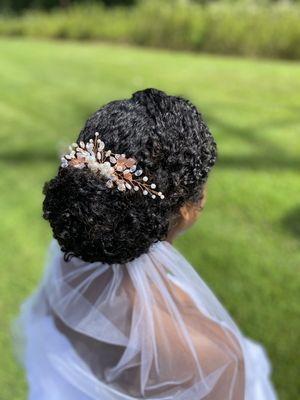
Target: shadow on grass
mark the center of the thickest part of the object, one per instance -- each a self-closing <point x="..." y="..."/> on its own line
<point x="252" y="134"/>
<point x="254" y="162"/>
<point x="259" y="162"/>
<point x="291" y="221"/>
<point x="268" y="155"/>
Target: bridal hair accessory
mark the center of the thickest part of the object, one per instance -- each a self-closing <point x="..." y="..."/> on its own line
<point x="119" y="171"/>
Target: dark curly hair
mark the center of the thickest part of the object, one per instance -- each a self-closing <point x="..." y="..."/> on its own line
<point x="176" y="150"/>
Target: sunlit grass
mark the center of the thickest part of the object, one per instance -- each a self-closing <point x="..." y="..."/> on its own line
<point x="246" y="243"/>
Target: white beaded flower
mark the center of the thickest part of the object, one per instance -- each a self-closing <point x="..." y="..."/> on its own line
<point x="118" y="170"/>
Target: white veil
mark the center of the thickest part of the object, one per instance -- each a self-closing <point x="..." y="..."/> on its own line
<point x="150" y="328"/>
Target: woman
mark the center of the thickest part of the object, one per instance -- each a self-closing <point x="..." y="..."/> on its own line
<point x="120" y="314"/>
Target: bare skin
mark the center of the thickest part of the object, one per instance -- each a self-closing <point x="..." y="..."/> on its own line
<point x="188" y="215"/>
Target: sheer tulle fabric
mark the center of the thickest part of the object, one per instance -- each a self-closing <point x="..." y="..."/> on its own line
<point x="150" y="329"/>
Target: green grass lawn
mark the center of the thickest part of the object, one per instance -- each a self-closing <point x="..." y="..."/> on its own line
<point x="245" y="245"/>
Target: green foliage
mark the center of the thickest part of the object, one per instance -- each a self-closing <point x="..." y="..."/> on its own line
<point x="246" y="243"/>
<point x="245" y="29"/>
<point x="21" y="5"/>
<point x="254" y="31"/>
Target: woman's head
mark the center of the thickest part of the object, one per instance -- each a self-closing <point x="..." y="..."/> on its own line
<point x="171" y="143"/>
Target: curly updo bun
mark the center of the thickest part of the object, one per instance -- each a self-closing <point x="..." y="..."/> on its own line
<point x="171" y="143"/>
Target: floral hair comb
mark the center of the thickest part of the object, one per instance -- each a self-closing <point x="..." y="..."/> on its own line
<point x="118" y="170"/>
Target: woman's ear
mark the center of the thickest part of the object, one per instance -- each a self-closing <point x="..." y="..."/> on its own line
<point x="190" y="212"/>
<point x="188" y="215"/>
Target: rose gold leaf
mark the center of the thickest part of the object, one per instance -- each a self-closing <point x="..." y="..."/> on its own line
<point x="130" y="162"/>
<point x="121" y="162"/>
<point x="128" y="176"/>
<point x="76" y="161"/>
